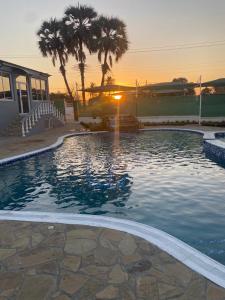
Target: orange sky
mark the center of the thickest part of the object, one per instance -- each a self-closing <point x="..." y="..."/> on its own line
<point x="157" y="27"/>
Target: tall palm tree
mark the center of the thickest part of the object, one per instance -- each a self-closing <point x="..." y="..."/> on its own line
<point x="51" y="44"/>
<point x="78" y="20"/>
<point x="111" y="39"/>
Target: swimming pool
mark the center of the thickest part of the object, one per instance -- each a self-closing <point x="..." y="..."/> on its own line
<point x="162" y="179"/>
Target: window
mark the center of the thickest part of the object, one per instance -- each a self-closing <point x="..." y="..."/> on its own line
<point x="5" y="86"/>
<point x="39" y="91"/>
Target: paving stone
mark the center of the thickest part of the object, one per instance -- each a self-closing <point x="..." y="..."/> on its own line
<point x="57" y="239"/>
<point x="79" y="246"/>
<point x="170" y="292"/>
<point x="146" y="247"/>
<point x="110" y="239"/>
<point x="140" y="266"/>
<point x="117" y="275"/>
<point x="88" y="259"/>
<point x="110" y="292"/>
<point x="48" y="268"/>
<point x="181" y="274"/>
<point x="147" y="288"/>
<point x="105" y="256"/>
<point x="36" y="239"/>
<point x="94" y="271"/>
<point x="9" y="282"/>
<point x="5" y="253"/>
<point x="61" y="297"/>
<point x="215" y="293"/>
<point x="21" y="242"/>
<point x="129" y="259"/>
<point x="71" y="283"/>
<point x="163" y="277"/>
<point x="113" y="235"/>
<point x="196" y="289"/>
<point x="128" y="245"/>
<point x="71" y="262"/>
<point x="37" y="287"/>
<point x="90" y="289"/>
<point x="127" y="294"/>
<point x="7" y="237"/>
<point x="39" y="256"/>
<point x="81" y="234"/>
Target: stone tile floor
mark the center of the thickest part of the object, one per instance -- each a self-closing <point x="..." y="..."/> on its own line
<point x="41" y="261"/>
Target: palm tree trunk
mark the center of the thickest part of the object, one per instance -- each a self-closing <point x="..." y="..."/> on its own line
<point x="83" y="84"/>
<point x="82" y="69"/>
<point x="104" y="69"/>
<point x="75" y="107"/>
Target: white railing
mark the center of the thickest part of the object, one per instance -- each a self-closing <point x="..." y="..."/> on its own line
<point x="44" y="108"/>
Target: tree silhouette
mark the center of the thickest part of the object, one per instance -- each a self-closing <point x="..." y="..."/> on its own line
<point x="111" y="40"/>
<point x="78" y="34"/>
<point x="51" y="44"/>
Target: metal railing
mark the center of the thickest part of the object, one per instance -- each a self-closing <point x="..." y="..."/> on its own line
<point x="43" y="108"/>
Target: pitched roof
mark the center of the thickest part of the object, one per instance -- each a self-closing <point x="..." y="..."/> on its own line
<point x="215" y="83"/>
<point x="24" y="69"/>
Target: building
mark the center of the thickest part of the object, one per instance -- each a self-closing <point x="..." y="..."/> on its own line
<point x="217" y="86"/>
<point x="24" y="98"/>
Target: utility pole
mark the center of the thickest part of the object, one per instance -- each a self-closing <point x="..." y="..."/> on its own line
<point x="200" y="102"/>
<point x="136" y="98"/>
<point x="76" y="103"/>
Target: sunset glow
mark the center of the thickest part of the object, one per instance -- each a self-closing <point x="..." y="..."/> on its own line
<point x="164" y="43"/>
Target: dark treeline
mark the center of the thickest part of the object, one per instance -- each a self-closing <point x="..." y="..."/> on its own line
<point x="82" y="30"/>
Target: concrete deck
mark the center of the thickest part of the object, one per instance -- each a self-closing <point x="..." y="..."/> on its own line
<point x="55" y="261"/>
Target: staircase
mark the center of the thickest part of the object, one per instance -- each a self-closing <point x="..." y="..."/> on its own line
<point x="24" y="125"/>
<point x="45" y="108"/>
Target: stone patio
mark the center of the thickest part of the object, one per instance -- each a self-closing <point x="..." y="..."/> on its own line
<point x="54" y="261"/>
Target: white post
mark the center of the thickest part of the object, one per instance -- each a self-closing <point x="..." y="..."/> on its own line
<point x="200" y="102"/>
<point x="36" y="115"/>
<point x="136" y="99"/>
<point x="23" y="129"/>
<point x="30" y="122"/>
<point x="33" y="118"/>
<point x="27" y="126"/>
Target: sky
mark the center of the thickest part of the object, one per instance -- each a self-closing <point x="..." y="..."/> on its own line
<point x="168" y="39"/>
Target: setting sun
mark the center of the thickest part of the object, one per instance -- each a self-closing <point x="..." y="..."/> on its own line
<point x="117" y="97"/>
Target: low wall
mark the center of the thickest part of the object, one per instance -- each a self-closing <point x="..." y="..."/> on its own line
<point x="8" y="112"/>
<point x="215" y="149"/>
<point x="160" y="119"/>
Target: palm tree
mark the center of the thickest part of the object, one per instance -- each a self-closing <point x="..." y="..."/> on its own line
<point x="78" y="21"/>
<point x="111" y="39"/>
<point x="110" y="80"/>
<point x="51" y="44"/>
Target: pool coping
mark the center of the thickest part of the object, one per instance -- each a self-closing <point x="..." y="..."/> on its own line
<point x="184" y="253"/>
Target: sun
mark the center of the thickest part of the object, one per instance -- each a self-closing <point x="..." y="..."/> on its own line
<point x="117" y="97"/>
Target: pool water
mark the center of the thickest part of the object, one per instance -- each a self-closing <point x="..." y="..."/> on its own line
<point x="162" y="179"/>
